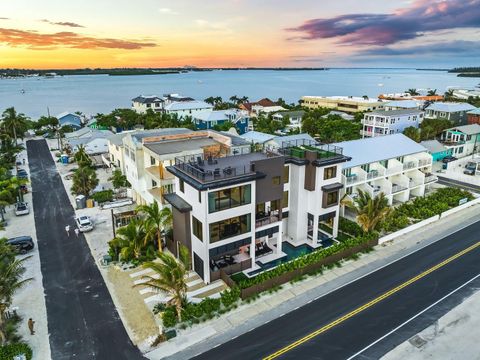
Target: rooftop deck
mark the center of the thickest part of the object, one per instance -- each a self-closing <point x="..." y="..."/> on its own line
<point x="297" y="149"/>
<point x="214" y="169"/>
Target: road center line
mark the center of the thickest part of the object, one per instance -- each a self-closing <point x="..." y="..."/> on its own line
<point x="370" y="303"/>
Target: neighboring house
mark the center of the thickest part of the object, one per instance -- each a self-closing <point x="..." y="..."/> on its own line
<point x="246" y="212"/>
<point x="70" y="119"/>
<point x="264" y="105"/>
<point x="465" y="94"/>
<point x="146" y="155"/>
<point x="187" y="108"/>
<point x="462" y="140"/>
<point x="143" y="103"/>
<point x="473" y="116"/>
<point x="403" y="105"/>
<point x="342" y="114"/>
<point x="208" y="119"/>
<point x="294" y="118"/>
<point x="394" y="164"/>
<point x="257" y="137"/>
<point x="115" y="150"/>
<point x="380" y="122"/>
<point x="348" y="104"/>
<point x="455" y="112"/>
<point x="436" y="149"/>
<point x="406" y="96"/>
<point x="94" y="141"/>
<point x="284" y="141"/>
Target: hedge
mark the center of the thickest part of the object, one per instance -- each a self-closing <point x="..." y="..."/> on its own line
<point x="311" y="258"/>
<point x="349" y="227"/>
<point x="7" y="352"/>
<point x="103" y="196"/>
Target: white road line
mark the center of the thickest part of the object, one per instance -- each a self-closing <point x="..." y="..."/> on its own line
<point x="414" y="317"/>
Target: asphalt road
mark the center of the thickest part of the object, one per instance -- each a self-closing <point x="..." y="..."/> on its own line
<point x="350" y="336"/>
<point x="82" y="320"/>
<point x="459" y="184"/>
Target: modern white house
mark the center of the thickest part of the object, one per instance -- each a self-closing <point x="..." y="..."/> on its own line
<point x="187" y="108"/>
<point x="455" y="112"/>
<point x="381" y="122"/>
<point x="394" y="165"/>
<point x="142" y="103"/>
<point x="462" y="140"/>
<point x="294" y="118"/>
<point x="250" y="211"/>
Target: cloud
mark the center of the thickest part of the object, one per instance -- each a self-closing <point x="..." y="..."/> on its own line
<point x="457" y="48"/>
<point x="38" y="41"/>
<point x="167" y="11"/>
<point x="62" y="23"/>
<point x="403" y="24"/>
<point x="4" y="18"/>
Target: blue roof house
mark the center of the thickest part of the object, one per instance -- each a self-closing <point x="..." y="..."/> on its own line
<point x="210" y="118"/>
<point x="70" y="119"/>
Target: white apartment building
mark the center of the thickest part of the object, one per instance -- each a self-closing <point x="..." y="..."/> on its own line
<point x="380" y="122"/>
<point x="394" y="165"/>
<point x="239" y="213"/>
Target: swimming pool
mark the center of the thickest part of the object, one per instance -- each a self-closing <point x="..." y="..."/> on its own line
<point x="291" y="252"/>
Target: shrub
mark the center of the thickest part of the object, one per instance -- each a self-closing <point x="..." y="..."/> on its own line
<point x="349" y="227"/>
<point x="7" y="352"/>
<point x="230" y="297"/>
<point x="395" y="221"/>
<point x="169" y="317"/>
<point x="103" y="196"/>
<point x="159" y="307"/>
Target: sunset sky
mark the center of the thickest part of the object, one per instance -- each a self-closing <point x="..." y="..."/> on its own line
<point x="156" y="33"/>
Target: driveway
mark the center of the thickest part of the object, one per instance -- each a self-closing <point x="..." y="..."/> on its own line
<point x="82" y="320"/>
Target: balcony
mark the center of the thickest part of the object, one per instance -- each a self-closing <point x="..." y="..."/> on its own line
<point x="424" y="162"/>
<point x="263" y="219"/>
<point x="429" y="178"/>
<point x="368" y="122"/>
<point x="159" y="172"/>
<point x="368" y="133"/>
<point x="409" y="165"/>
<point x="375" y="173"/>
<point x="396" y="188"/>
<point x="353" y="179"/>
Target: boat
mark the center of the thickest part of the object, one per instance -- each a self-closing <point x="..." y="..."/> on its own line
<point x="22" y="91"/>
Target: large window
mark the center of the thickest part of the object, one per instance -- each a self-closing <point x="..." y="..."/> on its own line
<point x="329" y="172"/>
<point x="182" y="185"/>
<point x="152" y="161"/>
<point x="286" y="174"/>
<point x="330" y="199"/>
<point x="197" y="228"/>
<point x="230" y="227"/>
<point x="285" y="199"/>
<point x="229" y="198"/>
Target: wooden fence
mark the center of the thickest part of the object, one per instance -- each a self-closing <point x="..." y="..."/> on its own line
<point x="311" y="268"/>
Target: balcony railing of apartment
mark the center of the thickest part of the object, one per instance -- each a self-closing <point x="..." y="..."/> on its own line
<point x="263" y="219"/>
<point x="409" y="165"/>
<point x="414" y="182"/>
<point x="353" y="179"/>
<point x="375" y="173"/>
<point x="297" y="149"/>
<point x="430" y="178"/>
<point x="424" y="162"/>
<point x="368" y="122"/>
<point x="366" y="132"/>
<point x="397" y="188"/>
<point x="394" y="170"/>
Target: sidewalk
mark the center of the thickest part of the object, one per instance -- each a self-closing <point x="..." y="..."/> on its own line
<point x="271" y="306"/>
<point x="30" y="299"/>
<point x="453" y="336"/>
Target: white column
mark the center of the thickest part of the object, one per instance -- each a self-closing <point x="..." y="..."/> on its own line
<point x="335" y="225"/>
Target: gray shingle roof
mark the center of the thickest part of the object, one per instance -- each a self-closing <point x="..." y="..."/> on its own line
<point x="399" y="112"/>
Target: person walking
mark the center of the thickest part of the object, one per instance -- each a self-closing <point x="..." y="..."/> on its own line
<point x="67" y="229"/>
<point x="31" y="323"/>
<point x="77" y="231"/>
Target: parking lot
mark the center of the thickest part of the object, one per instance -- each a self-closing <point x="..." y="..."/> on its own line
<point x="455" y="170"/>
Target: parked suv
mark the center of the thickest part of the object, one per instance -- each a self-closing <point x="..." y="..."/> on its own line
<point x="84" y="223"/>
<point x="21" y="208"/>
<point x="21" y="244"/>
<point x="22" y="174"/>
<point x="449" y="158"/>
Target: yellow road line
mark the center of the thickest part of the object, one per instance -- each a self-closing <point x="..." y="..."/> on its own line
<point x="370" y="303"/>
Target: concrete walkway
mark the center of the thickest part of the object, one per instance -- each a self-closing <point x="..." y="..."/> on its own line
<point x="271" y="306"/>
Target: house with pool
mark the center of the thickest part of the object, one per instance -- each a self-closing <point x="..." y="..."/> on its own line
<point x="251" y="211"/>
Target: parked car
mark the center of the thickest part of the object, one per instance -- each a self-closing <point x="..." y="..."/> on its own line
<point x="449" y="158"/>
<point x="21" y="208"/>
<point x="22" y="174"/>
<point x="21" y="244"/>
<point x="469" y="171"/>
<point x="84" y="223"/>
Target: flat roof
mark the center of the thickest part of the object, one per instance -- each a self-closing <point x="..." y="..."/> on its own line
<point x="369" y="150"/>
<point x="395" y="112"/>
<point x="349" y="98"/>
<point x="178" y="146"/>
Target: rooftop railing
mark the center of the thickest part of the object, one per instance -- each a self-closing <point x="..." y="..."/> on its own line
<point x="298" y="148"/>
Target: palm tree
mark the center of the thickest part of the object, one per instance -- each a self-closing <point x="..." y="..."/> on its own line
<point x="412" y="92"/>
<point x="413" y="133"/>
<point x="156" y="220"/>
<point x="234" y="99"/>
<point x="129" y="241"/>
<point x="432" y="92"/>
<point x="11" y="280"/>
<point x="448" y="94"/>
<point x="118" y="179"/>
<point x="369" y="211"/>
<point x="14" y="122"/>
<point x="81" y="156"/>
<point x="84" y="181"/>
<point x="170" y="276"/>
<point x="243" y="99"/>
